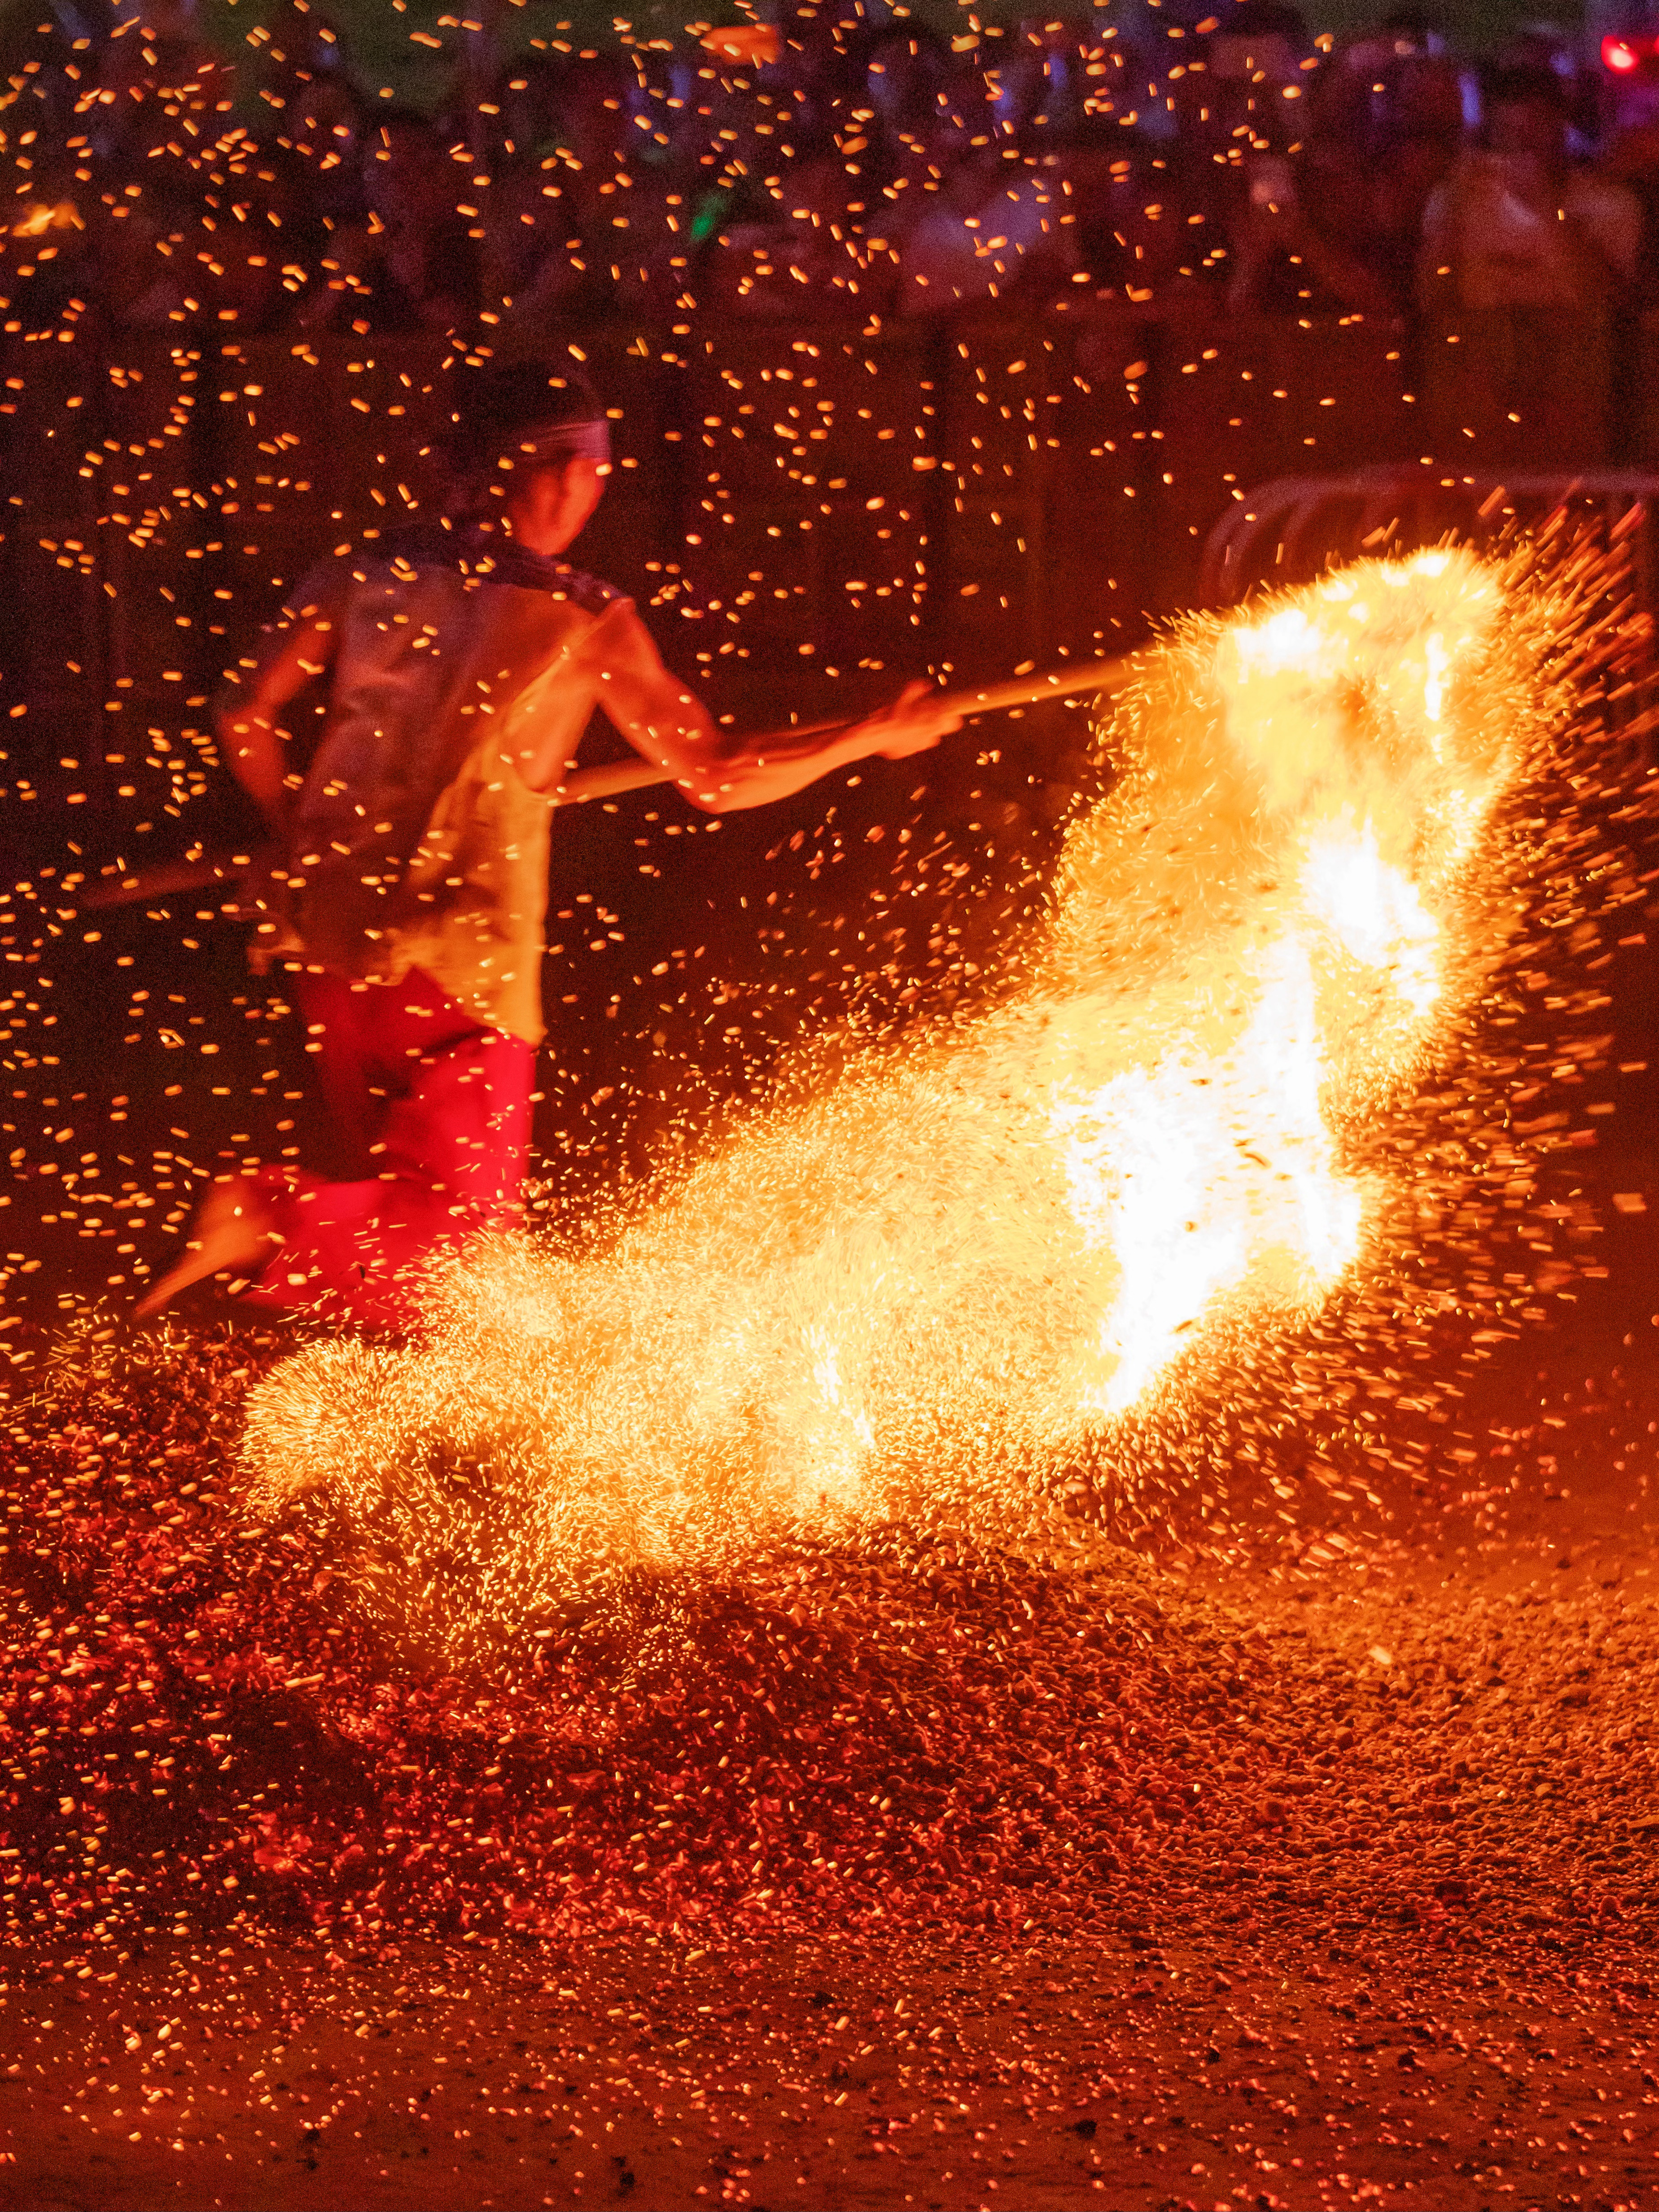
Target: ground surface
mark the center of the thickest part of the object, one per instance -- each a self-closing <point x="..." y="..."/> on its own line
<point x="1407" y="1959"/>
<point x="1324" y="1875"/>
<point x="1045" y="2082"/>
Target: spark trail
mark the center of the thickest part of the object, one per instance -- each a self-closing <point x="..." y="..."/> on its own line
<point x="970" y="1260"/>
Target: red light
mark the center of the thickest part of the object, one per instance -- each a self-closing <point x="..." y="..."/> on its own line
<point x="1619" y="55"/>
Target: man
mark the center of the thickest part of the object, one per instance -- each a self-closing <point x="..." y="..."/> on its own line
<point x="463" y="665"/>
<point x="1518" y="224"/>
<point x="1528" y="261"/>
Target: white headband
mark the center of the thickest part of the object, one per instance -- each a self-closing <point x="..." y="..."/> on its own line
<point x="560" y="441"/>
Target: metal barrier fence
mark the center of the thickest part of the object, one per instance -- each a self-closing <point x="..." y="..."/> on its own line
<point x="1291" y="529"/>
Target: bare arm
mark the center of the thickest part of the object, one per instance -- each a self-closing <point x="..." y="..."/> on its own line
<point x="248" y="733"/>
<point x="779" y="764"/>
<point x="1355" y="283"/>
<point x="671" y="726"/>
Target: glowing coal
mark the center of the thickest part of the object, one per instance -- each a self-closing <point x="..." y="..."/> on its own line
<point x="965" y="1262"/>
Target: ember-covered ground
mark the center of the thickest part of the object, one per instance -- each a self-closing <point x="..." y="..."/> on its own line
<point x="1253" y="1880"/>
<point x="1294" y="1852"/>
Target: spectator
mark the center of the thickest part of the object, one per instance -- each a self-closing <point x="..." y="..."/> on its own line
<point x="907" y="72"/>
<point x="603" y="218"/>
<point x="526" y="221"/>
<point x="301" y="47"/>
<point x="1132" y="223"/>
<point x="1255" y="62"/>
<point x="44" y="67"/>
<point x="204" y="247"/>
<point x="49" y="257"/>
<point x="1526" y="257"/>
<point x="326" y="124"/>
<point x="163" y="89"/>
<point x="986" y="226"/>
<point x="807" y="239"/>
<point x="819" y="164"/>
<point x="413" y="264"/>
<point x="1306" y="242"/>
<point x="1632" y="160"/>
<point x="1517" y="224"/>
<point x="1419" y="137"/>
<point x="1040" y="92"/>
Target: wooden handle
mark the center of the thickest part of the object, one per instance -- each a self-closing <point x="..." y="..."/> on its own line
<point x="220" y="870"/>
<point x="217" y="872"/>
<point x="1096" y="676"/>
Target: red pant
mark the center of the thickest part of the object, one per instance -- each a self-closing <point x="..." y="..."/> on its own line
<point x="435" y="1110"/>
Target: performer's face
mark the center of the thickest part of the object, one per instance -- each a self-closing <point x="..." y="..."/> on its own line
<point x="548" y="505"/>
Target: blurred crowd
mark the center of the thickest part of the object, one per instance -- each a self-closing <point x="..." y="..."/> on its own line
<point x="841" y="160"/>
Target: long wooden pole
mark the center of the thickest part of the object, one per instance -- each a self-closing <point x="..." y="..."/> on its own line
<point x="1103" y="677"/>
<point x="1099" y="677"/>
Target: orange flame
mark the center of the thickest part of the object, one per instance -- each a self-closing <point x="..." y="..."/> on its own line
<point x="40" y="217"/>
<point x="743" y="42"/>
<point x="961" y="1264"/>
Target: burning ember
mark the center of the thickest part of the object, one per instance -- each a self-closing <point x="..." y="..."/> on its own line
<point x="960" y="1268"/>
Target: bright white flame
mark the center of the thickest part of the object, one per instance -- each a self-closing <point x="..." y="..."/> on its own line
<point x="1204" y="1172"/>
<point x="1376" y="914"/>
